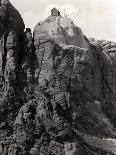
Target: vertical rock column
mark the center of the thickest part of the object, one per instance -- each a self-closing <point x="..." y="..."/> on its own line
<point x="11" y="56"/>
<point x="28" y="57"/>
<point x="44" y="63"/>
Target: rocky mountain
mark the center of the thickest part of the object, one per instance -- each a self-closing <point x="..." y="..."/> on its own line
<point x="57" y="88"/>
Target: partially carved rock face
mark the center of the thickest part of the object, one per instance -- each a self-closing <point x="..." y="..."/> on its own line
<point x="57" y="89"/>
<point x="59" y="30"/>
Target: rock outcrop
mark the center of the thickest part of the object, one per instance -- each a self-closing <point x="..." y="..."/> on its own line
<point x="11" y="84"/>
<point x="57" y="88"/>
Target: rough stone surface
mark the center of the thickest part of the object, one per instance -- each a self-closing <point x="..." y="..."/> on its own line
<point x="57" y="88"/>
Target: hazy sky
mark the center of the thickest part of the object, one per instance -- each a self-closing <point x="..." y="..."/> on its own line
<point x="97" y="18"/>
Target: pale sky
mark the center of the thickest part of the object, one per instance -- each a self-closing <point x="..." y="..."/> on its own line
<point x="97" y="18"/>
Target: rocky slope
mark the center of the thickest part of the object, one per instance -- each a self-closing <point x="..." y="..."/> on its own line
<point x="57" y="88"/>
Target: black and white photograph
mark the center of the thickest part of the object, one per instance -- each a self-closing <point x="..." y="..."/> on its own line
<point x="57" y="77"/>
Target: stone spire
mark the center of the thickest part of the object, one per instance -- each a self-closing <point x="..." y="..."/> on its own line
<point x="55" y="12"/>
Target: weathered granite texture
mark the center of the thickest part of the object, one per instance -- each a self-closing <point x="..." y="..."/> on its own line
<point x="11" y="84"/>
<point x="57" y="88"/>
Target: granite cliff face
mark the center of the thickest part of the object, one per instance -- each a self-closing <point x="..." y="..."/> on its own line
<point x="57" y="88"/>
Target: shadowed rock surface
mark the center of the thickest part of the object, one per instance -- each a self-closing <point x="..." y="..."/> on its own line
<point x="57" y="88"/>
